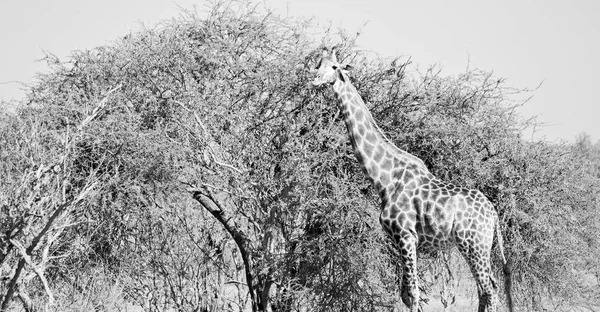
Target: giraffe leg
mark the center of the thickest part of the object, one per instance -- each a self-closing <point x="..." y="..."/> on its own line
<point x="479" y="262"/>
<point x="410" y="289"/>
<point x="494" y="302"/>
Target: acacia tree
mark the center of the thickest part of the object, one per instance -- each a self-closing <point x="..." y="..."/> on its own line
<point x="222" y="183"/>
<point x="40" y="199"/>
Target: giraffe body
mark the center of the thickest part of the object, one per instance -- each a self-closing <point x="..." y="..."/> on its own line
<point x="418" y="211"/>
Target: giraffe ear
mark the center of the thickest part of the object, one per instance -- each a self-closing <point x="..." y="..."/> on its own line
<point x="334" y="54"/>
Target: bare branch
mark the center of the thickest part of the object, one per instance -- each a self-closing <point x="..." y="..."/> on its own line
<point x="38" y="269"/>
<point x="98" y="109"/>
<point x="238" y="236"/>
<point x="210" y="151"/>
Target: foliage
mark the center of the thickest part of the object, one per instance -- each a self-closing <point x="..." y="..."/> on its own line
<point x="188" y="167"/>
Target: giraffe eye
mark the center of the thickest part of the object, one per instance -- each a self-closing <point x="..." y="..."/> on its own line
<point x="335" y="67"/>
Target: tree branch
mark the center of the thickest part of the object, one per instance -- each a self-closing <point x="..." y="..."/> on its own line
<point x="238" y="236"/>
<point x="38" y="269"/>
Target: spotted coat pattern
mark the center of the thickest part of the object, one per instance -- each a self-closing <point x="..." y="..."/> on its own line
<point x="418" y="210"/>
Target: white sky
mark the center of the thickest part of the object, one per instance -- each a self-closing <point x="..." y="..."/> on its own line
<point x="526" y="42"/>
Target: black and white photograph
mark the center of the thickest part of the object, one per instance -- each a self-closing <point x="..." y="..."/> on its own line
<point x="299" y="156"/>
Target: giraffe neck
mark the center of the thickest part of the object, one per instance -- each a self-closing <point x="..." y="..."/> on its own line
<point x="377" y="156"/>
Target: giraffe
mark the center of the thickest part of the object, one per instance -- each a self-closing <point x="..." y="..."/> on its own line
<point x="418" y="210"/>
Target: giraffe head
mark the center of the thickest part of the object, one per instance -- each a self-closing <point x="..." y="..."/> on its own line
<point x="329" y="70"/>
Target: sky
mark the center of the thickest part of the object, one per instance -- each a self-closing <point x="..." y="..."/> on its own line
<point x="554" y="43"/>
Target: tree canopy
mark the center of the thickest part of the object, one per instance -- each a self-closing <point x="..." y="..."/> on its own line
<point x="188" y="167"/>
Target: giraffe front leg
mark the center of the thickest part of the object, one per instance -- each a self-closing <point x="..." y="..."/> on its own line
<point x="410" y="289"/>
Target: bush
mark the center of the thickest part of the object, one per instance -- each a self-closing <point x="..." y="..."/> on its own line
<point x="191" y="166"/>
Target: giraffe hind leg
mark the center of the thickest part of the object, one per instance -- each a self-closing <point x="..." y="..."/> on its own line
<point x="480" y="264"/>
